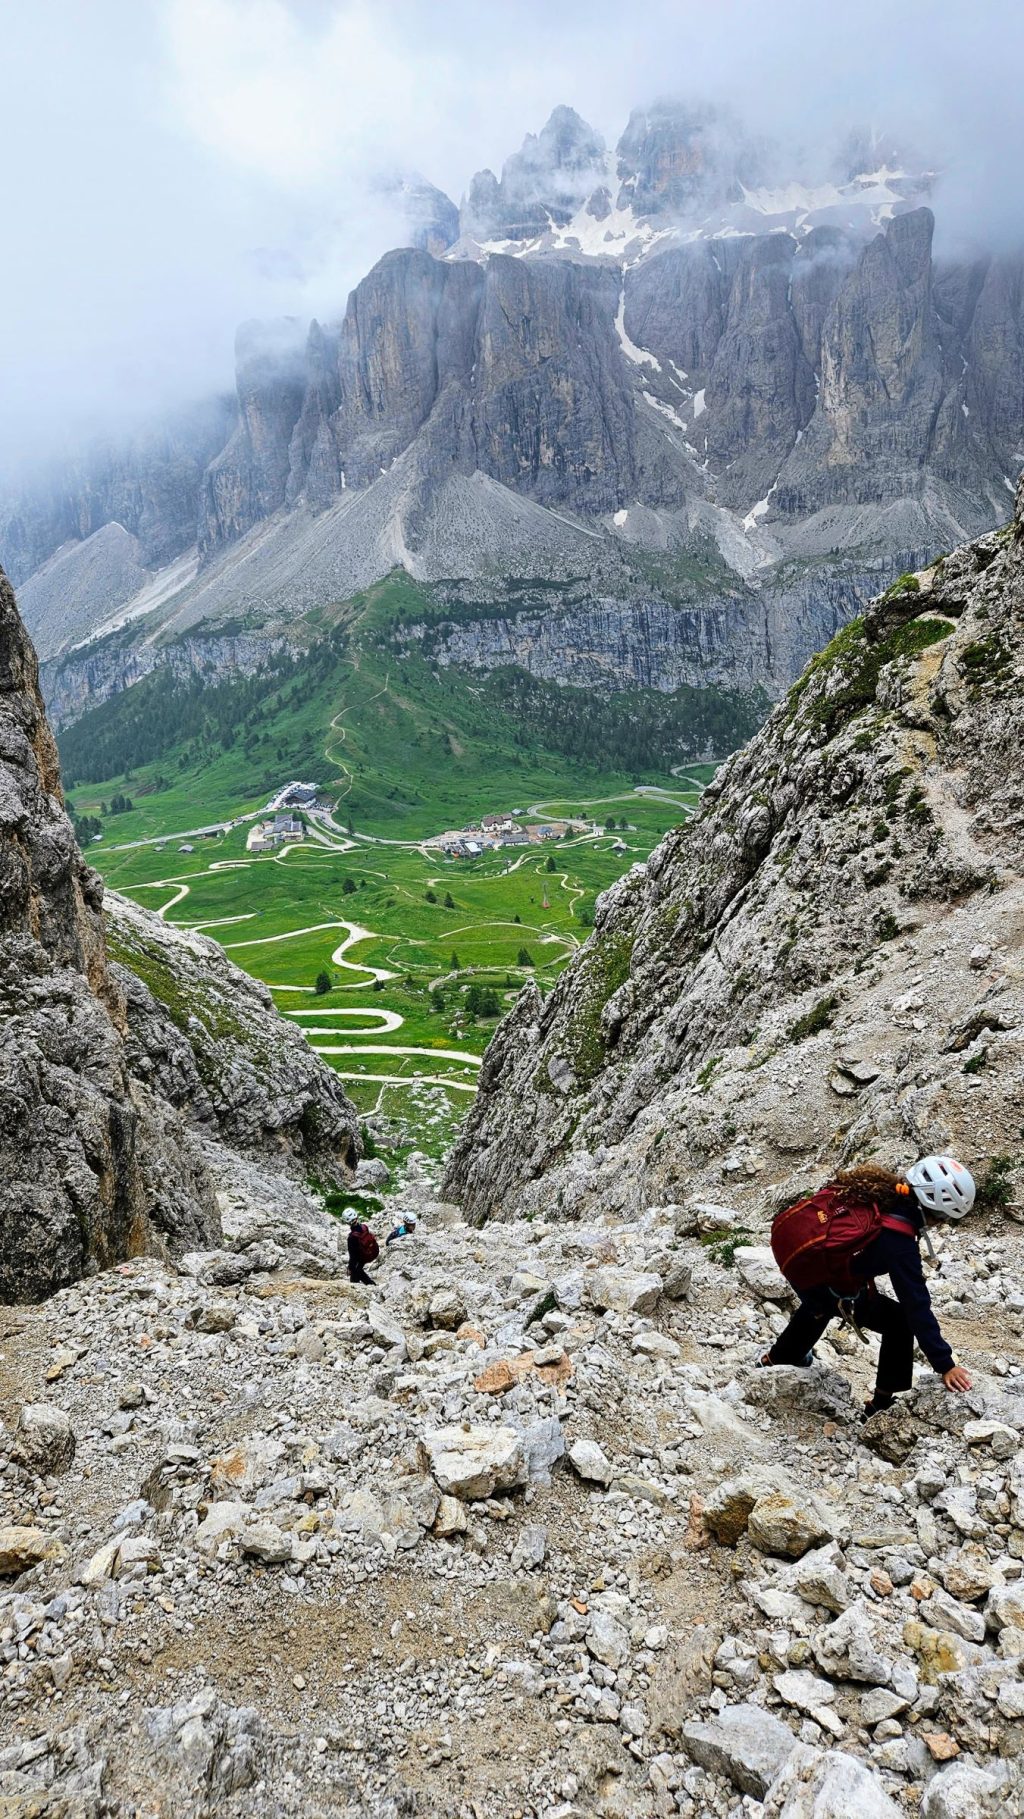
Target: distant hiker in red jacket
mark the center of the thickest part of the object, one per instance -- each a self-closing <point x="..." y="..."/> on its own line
<point x="362" y="1249"/>
<point x="864" y="1223"/>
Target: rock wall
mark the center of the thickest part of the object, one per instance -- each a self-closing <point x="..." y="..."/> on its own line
<point x="74" y="684"/>
<point x="148" y="482"/>
<point x="123" y="1118"/>
<point x="745" y="638"/>
<point x="824" y="964"/>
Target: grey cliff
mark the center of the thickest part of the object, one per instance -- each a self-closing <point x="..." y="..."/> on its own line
<point x="126" y="1118"/>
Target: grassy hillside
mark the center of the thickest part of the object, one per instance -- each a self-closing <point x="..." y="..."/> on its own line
<point x="403" y="936"/>
<point x="406" y="747"/>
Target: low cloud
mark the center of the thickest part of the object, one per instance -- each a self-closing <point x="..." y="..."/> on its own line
<point x="175" y="168"/>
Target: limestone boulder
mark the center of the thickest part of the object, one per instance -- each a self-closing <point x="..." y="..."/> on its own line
<point x="746" y="1744"/>
<point x="789" y="1523"/>
<point x="819" y="1784"/>
<point x="590" y="1463"/>
<point x="474" y="1462"/>
<point x="624" y="1291"/>
<point x="44" y="1443"/>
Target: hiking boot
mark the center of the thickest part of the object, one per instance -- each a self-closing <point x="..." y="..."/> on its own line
<point x="877" y="1405"/>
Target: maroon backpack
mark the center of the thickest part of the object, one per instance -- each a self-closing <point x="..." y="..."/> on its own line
<point x="816" y="1241"/>
<point x="365" y="1247"/>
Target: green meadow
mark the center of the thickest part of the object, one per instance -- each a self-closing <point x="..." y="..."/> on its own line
<point x="420" y="952"/>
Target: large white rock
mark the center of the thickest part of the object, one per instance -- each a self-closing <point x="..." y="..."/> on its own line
<point x="228" y="1517"/>
<point x="846" y="1649"/>
<point x="745" y="1743"/>
<point x="815" y="1784"/>
<point x="946" y="1613"/>
<point x="804" y="1690"/>
<point x="543" y="1444"/>
<point x="1004" y="1607"/>
<point x="265" y="1541"/>
<point x="472" y="1462"/>
<point x="607" y="1640"/>
<point x="963" y="1791"/>
<point x="590" y="1463"/>
<point x="257" y="1208"/>
<point x="624" y="1291"/>
<point x="757" y="1267"/>
<point x="819" y="1579"/>
<point x="447" y="1309"/>
<point x="243" y="1468"/>
<point x="391" y="1515"/>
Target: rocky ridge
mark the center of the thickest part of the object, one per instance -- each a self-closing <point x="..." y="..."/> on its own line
<point x="133" y="1121"/>
<point x="824" y="964"/>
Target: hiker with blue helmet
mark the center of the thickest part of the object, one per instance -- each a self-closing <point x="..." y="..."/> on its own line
<point x="864" y="1223"/>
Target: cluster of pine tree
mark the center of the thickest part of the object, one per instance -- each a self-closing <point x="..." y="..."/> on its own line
<point x="635" y="730"/>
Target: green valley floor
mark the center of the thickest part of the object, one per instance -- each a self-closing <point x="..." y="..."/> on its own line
<point x="399" y="932"/>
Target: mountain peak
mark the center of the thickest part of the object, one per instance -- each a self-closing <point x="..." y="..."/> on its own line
<point x="541" y="185"/>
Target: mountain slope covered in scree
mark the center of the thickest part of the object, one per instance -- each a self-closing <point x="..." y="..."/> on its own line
<point x="825" y="964"/>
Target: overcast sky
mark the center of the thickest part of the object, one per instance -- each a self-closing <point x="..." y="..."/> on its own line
<point x="171" y="167"/>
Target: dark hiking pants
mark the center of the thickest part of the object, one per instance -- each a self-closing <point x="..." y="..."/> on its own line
<point x="876" y="1313"/>
<point x="357" y="1273"/>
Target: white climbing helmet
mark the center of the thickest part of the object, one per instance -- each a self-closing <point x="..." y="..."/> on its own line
<point x="943" y="1186"/>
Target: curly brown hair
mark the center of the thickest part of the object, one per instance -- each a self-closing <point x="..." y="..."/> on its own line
<point x="872" y="1182"/>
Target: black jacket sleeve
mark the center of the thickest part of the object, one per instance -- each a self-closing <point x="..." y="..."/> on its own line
<point x="898" y="1257"/>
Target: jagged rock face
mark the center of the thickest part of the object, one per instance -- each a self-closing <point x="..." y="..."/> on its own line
<point x="83" y="680"/>
<point x="881" y="386"/>
<point x="816" y="396"/>
<point x="249" y="479"/>
<point x="748" y="640"/>
<point x="206" y="1038"/>
<point x="680" y="161"/>
<point x="431" y="218"/>
<point x="545" y="181"/>
<point x="312" y="456"/>
<point x="812" y="375"/>
<point x="122" y="1115"/>
<point x="760" y="388"/>
<point x="71" y="1194"/>
<point x="513" y="370"/>
<point x="823" y="965"/>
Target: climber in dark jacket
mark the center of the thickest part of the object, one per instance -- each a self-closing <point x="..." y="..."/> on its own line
<point x="896" y="1254"/>
<point x="362" y="1249"/>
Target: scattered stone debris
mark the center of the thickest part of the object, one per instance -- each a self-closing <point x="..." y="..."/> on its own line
<point x="315" y="1551"/>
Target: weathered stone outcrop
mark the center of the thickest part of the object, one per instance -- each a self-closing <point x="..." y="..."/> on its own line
<point x="546" y="180"/>
<point x="823" y="964"/>
<point x="85" y="679"/>
<point x="119" y="1115"/>
<point x="249" y="478"/>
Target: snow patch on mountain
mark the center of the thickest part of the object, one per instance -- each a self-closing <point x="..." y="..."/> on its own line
<point x="638" y="355"/>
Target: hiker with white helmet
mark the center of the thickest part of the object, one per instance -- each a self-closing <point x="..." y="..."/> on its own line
<point x="868" y="1222"/>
